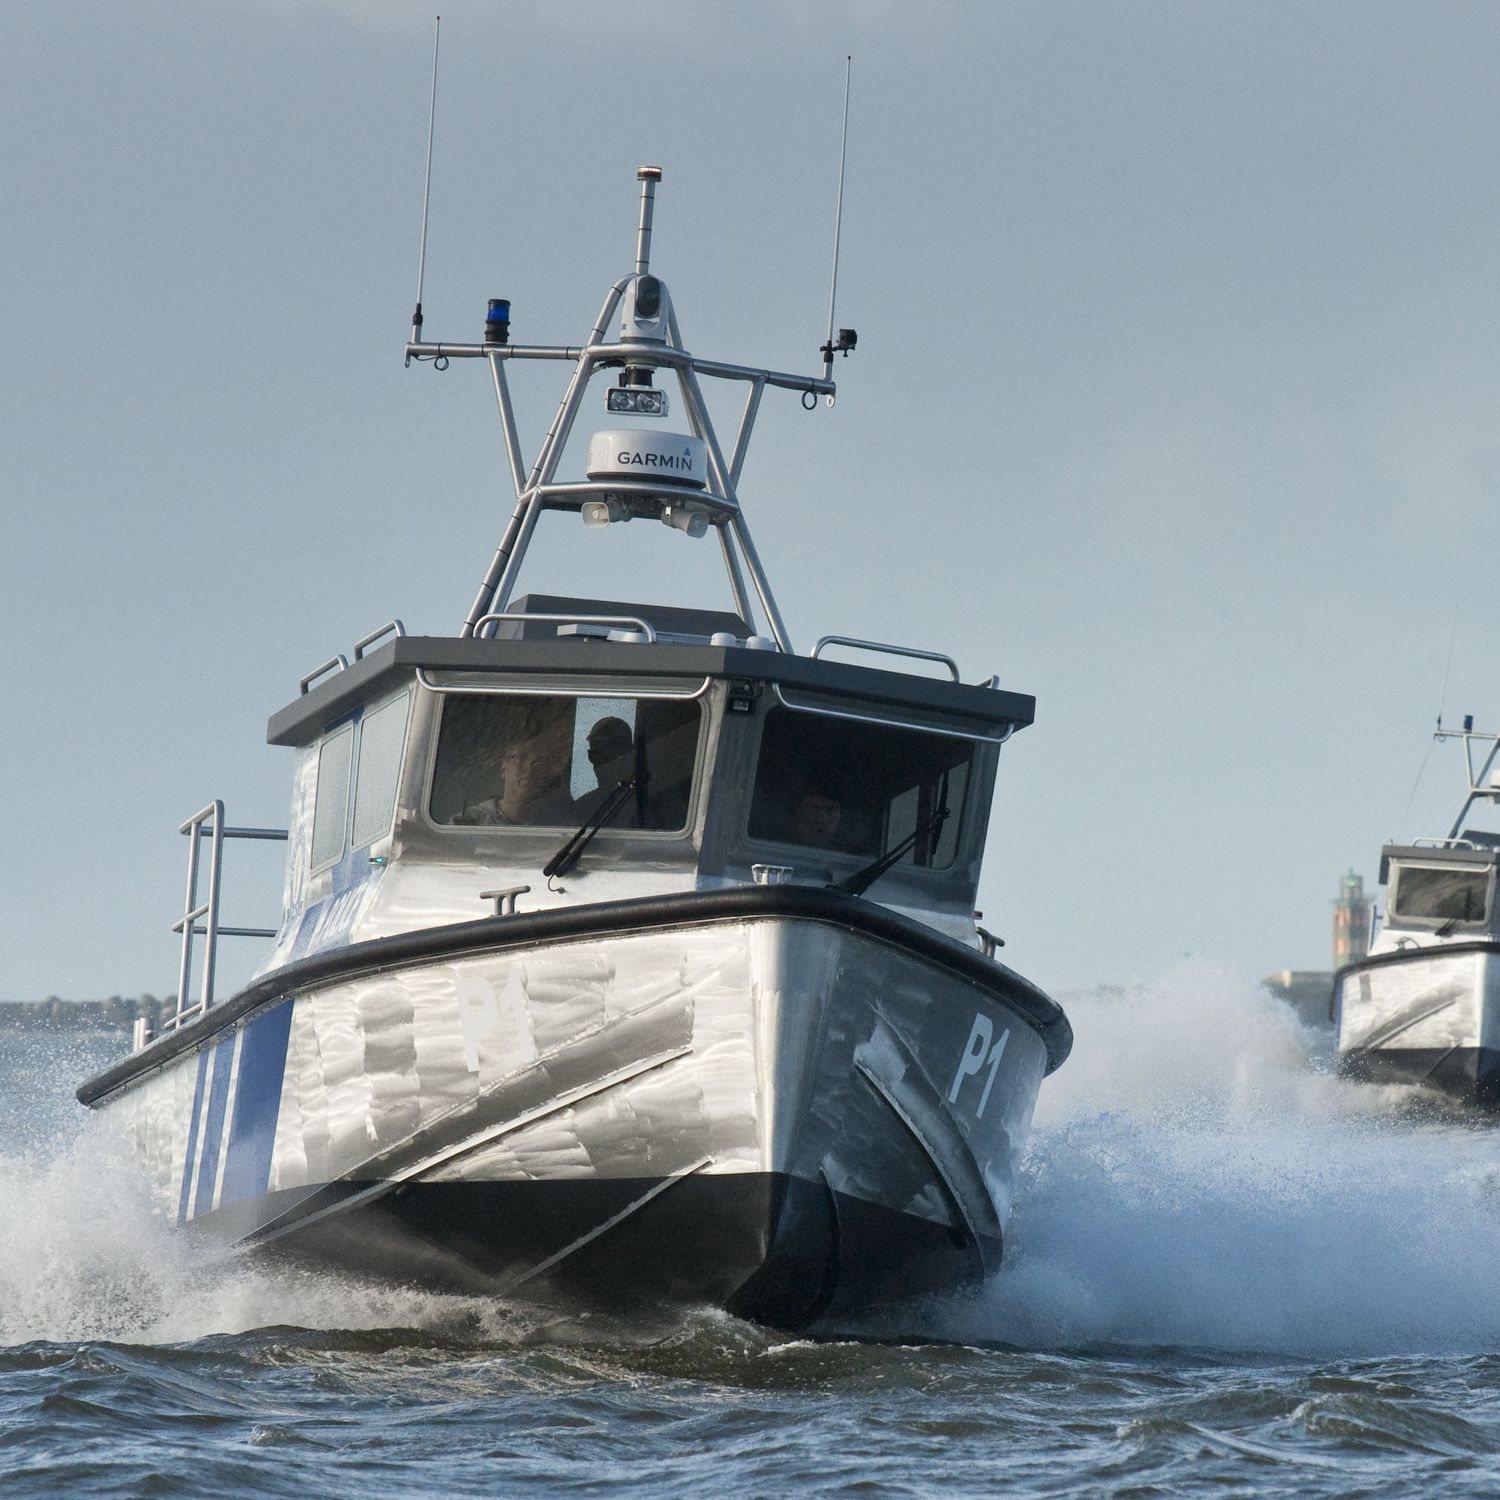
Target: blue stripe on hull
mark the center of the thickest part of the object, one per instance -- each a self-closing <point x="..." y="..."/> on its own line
<point x="252" y="1130"/>
<point x="192" y="1139"/>
<point x="213" y="1131"/>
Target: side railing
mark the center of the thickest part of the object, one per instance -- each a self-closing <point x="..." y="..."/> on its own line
<point x="200" y="916"/>
<point x="862" y="645"/>
<point x="340" y="662"/>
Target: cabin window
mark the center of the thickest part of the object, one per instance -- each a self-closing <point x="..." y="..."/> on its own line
<point x="859" y="788"/>
<point x="554" y="761"/>
<point x="331" y="809"/>
<point x="381" y="737"/>
<point x="1446" y="894"/>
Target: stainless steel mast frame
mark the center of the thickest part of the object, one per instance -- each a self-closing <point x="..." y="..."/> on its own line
<point x="539" y="491"/>
<point x="1481" y="789"/>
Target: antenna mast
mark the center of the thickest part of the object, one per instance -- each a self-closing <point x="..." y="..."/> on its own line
<point x="649" y="177"/>
<point x="416" y="317"/>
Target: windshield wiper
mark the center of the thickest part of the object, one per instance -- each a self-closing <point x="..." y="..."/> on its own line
<point x="862" y="879"/>
<point x="572" y="851"/>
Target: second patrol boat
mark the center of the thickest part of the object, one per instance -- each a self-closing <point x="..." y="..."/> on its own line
<point x="625" y="951"/>
<point x="1424" y="1006"/>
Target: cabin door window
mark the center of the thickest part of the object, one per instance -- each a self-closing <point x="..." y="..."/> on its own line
<point x="382" y="735"/>
<point x="331" y="810"/>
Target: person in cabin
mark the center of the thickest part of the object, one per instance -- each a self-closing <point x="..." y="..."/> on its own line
<point x="611" y="752"/>
<point x="533" y="770"/>
<point x="815" y="820"/>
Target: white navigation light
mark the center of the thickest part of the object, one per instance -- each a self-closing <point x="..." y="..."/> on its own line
<point x="656" y="457"/>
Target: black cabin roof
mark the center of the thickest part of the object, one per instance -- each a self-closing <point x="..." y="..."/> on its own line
<point x="306" y="717"/>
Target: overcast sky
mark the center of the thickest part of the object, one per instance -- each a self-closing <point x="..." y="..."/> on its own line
<point x="1175" y="405"/>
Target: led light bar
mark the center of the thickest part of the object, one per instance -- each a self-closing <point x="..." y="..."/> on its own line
<point x="637" y="401"/>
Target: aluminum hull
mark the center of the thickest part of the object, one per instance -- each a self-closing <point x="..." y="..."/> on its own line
<point x="785" y="1101"/>
<point x="1424" y="1015"/>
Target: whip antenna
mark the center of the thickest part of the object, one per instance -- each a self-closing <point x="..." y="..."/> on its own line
<point x="847" y="336"/>
<point x="1448" y="667"/>
<point x="416" y="317"/>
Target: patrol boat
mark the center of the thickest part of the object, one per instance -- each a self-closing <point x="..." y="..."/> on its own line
<point x="1424" y="1006"/>
<point x="626" y="952"/>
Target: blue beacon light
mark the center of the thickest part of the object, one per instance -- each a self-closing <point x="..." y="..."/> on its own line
<point x="497" y="321"/>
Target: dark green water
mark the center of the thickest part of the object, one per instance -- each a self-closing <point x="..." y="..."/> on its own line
<point x="1230" y="1274"/>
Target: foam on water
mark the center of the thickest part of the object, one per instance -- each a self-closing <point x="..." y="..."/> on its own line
<point x="1199" y="1177"/>
<point x="85" y="1256"/>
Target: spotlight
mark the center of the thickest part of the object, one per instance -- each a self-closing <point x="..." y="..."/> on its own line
<point x="638" y="401"/>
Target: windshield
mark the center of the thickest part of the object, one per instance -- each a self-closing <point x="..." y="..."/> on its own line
<point x="858" y="788"/>
<point x="551" y="761"/>
<point x="1440" y="894"/>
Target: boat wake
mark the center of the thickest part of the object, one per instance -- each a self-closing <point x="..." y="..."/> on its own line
<point x="85" y="1257"/>
<point x="1197" y="1178"/>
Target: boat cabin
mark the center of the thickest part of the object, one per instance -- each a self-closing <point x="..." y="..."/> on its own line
<point x="596" y="750"/>
<point x="1442" y="890"/>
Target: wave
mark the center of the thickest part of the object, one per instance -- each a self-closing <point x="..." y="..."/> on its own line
<point x="1198" y="1177"/>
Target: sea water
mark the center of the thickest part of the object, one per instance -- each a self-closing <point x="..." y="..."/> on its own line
<point x="1229" y="1273"/>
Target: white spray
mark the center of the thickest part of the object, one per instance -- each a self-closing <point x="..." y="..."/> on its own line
<point x="1197" y="1177"/>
